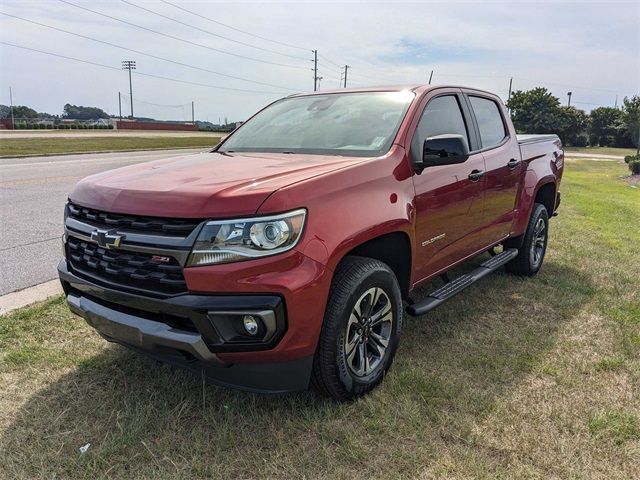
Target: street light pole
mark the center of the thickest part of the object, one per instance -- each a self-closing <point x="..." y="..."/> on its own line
<point x="569" y="101"/>
<point x="13" y="123"/>
<point x="129" y="65"/>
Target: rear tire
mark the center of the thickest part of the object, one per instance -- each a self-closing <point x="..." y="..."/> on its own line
<point x="534" y="244"/>
<point x="361" y="329"/>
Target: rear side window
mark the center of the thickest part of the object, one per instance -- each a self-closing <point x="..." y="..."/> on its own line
<point x="489" y="119"/>
<point x="442" y="116"/>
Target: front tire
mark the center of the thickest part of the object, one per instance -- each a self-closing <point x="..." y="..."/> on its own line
<point x="361" y="329"/>
<point x="534" y="244"/>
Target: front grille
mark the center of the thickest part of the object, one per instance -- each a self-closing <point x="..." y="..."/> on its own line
<point x="142" y="224"/>
<point x="121" y="268"/>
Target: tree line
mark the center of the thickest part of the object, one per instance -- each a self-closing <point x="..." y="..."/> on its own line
<point x="75" y="112"/>
<point x="538" y="111"/>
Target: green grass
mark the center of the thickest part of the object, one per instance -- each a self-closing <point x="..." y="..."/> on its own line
<point x="50" y="146"/>
<point x="518" y="378"/>
<point x="603" y="150"/>
<point x="616" y="425"/>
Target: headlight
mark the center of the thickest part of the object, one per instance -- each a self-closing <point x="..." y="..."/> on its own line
<point x="235" y="240"/>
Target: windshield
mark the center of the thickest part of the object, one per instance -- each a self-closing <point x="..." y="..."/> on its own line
<point x="349" y="124"/>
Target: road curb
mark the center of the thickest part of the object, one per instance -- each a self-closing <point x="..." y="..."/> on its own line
<point x="22" y="298"/>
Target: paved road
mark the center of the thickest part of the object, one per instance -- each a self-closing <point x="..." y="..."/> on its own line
<point x="596" y="156"/>
<point x="33" y="192"/>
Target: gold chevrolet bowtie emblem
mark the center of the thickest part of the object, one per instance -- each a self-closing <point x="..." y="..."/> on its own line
<point x="106" y="238"/>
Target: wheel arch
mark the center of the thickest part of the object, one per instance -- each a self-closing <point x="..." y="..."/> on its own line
<point x="546" y="195"/>
<point x="393" y="249"/>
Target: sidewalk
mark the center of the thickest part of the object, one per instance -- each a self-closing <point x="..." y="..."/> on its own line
<point x="22" y="298"/>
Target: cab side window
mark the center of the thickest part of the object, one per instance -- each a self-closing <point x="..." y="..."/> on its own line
<point x="441" y="116"/>
<point x="490" y="123"/>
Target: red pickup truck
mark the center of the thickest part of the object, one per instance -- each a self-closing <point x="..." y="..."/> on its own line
<point x="287" y="256"/>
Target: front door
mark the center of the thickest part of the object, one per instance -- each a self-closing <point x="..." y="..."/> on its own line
<point x="449" y="198"/>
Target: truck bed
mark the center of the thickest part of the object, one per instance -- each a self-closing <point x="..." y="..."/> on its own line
<point x="538" y="146"/>
<point x="526" y="139"/>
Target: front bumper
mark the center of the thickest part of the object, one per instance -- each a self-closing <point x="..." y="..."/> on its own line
<point x="177" y="330"/>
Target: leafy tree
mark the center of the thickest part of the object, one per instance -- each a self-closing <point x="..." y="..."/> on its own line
<point x="606" y="126"/>
<point x="19" y="111"/>
<point x="79" y="112"/>
<point x="631" y="119"/>
<point x="535" y="111"/>
<point x="573" y="126"/>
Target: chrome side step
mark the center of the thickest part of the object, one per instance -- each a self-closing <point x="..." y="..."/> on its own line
<point x="458" y="284"/>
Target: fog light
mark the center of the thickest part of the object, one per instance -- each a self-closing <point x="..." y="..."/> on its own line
<point x="250" y="324"/>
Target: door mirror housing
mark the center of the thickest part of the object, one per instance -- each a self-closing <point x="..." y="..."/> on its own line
<point x="443" y="150"/>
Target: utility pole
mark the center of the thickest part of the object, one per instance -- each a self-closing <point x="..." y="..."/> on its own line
<point x="510" y="85"/>
<point x="615" y="105"/>
<point x="315" y="70"/>
<point x="346" y="68"/>
<point x="193" y="114"/>
<point x="120" y="105"/>
<point x="569" y="101"/>
<point x="430" y="77"/>
<point x="13" y="123"/>
<point x="129" y="65"/>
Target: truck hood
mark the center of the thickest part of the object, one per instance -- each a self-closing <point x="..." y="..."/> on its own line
<point x="206" y="185"/>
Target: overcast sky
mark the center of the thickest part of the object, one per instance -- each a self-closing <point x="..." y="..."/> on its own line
<point x="591" y="49"/>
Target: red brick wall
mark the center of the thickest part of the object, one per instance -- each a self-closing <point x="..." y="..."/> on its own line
<point x="136" y="125"/>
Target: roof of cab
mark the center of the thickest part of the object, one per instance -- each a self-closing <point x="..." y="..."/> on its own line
<point x="376" y="88"/>
<point x="418" y="88"/>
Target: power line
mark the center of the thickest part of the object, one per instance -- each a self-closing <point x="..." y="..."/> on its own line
<point x="211" y="33"/>
<point x="329" y="69"/>
<point x="181" y="39"/>
<point x="158" y="104"/>
<point x="163" y="105"/>
<point x="234" y="28"/>
<point x="148" y="54"/>
<point x="137" y="72"/>
<point x="204" y="84"/>
<point x="570" y="86"/>
<point x="331" y="61"/>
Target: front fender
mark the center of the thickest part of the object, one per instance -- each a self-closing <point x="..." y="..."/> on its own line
<point x="350" y="206"/>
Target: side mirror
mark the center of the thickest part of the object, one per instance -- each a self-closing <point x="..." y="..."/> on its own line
<point x="443" y="150"/>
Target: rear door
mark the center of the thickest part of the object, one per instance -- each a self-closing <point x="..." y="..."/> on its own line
<point x="501" y="153"/>
<point x="449" y="202"/>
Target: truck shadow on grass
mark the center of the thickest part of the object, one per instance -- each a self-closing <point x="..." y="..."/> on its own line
<point x="452" y="367"/>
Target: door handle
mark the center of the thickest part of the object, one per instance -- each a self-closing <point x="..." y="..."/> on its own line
<point x="475" y="175"/>
<point x="513" y="163"/>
